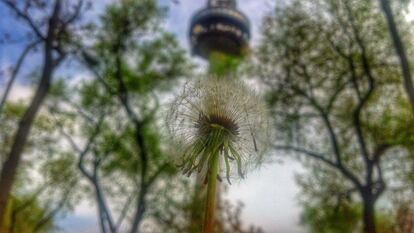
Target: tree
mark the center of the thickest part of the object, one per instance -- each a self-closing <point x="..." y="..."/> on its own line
<point x="133" y="62"/>
<point x="53" y="30"/>
<point x="330" y="205"/>
<point x="334" y="93"/>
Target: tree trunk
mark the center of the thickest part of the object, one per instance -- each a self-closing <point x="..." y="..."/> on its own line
<point x="104" y="212"/>
<point x="9" y="168"/>
<point x="400" y="50"/>
<point x="139" y="214"/>
<point x="369" y="213"/>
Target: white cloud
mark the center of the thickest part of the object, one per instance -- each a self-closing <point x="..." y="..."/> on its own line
<point x="19" y="92"/>
<point x="410" y="12"/>
<point x="85" y="209"/>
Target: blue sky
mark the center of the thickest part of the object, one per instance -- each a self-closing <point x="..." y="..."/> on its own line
<point x="269" y="194"/>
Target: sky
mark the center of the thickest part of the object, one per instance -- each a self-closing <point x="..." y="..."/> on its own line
<point x="270" y="194"/>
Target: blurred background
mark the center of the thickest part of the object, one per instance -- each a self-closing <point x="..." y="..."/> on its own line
<point x="85" y="85"/>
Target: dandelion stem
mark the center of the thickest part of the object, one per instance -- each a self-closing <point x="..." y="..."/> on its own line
<point x="211" y="195"/>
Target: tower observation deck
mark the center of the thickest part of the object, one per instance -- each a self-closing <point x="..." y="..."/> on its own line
<point x="219" y="27"/>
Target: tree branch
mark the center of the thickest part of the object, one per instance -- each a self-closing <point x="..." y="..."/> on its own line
<point x="106" y="214"/>
<point x="309" y="153"/>
<point x="15" y="72"/>
<point x="363" y="101"/>
<point x="9" y="167"/>
<point x="23" y="206"/>
<point x="75" y="14"/>
<point x="333" y="137"/>
<point x="87" y="148"/>
<point x="46" y="219"/>
<point x="157" y="173"/>
<point x="90" y="62"/>
<point x="124" y="210"/>
<point x="351" y="65"/>
<point x="123" y="96"/>
<point x="400" y="51"/>
<point x="93" y="176"/>
<point x="28" y="20"/>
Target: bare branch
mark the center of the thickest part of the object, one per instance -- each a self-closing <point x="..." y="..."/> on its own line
<point x="333" y="138"/>
<point x="351" y="64"/>
<point x="379" y="151"/>
<point x="93" y="176"/>
<point x="123" y="96"/>
<point x="157" y="173"/>
<point x="87" y="116"/>
<point x="371" y="81"/>
<point x="309" y="153"/>
<point x="69" y="139"/>
<point x="336" y="94"/>
<point x="124" y="210"/>
<point x="102" y="205"/>
<point x="26" y="17"/>
<point x="88" y="146"/>
<point x="88" y="61"/>
<point x="75" y="14"/>
<point x="15" y="72"/>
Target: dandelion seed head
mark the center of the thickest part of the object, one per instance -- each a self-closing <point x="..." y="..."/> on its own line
<point x="219" y="116"/>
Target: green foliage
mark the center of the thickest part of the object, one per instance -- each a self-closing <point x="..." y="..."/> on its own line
<point x="148" y="57"/>
<point x="60" y="172"/>
<point x="132" y="47"/>
<point x="134" y="63"/>
<point x="47" y="179"/>
<point x="394" y="124"/>
<point x="25" y="220"/>
<point x="343" y="218"/>
<point x="336" y="97"/>
<point x="221" y="64"/>
<point x="121" y="21"/>
<point x="8" y="122"/>
<point x="41" y="135"/>
<point x="126" y="44"/>
<point x="324" y="218"/>
<point x="327" y="199"/>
